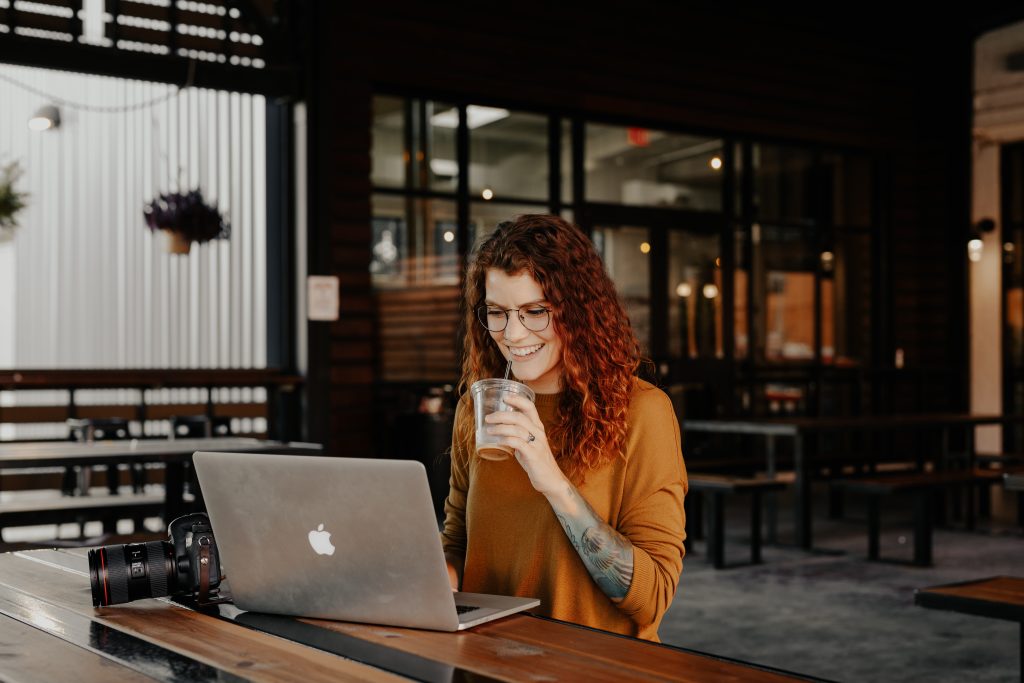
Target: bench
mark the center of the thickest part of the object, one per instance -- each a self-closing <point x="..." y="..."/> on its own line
<point x="717" y="486"/>
<point x="1012" y="463"/>
<point x="104" y="508"/>
<point x="922" y="485"/>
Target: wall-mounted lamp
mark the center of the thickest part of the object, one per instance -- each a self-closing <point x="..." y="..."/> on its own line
<point x="828" y="261"/>
<point x="45" y="118"/>
<point x="975" y="245"/>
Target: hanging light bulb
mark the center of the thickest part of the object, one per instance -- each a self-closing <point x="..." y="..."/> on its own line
<point x="974" y="248"/>
<point x="45" y="118"/>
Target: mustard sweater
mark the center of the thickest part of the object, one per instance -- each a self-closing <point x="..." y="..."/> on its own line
<point x="513" y="544"/>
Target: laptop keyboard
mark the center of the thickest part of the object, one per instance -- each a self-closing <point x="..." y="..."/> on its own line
<point x="463" y="609"/>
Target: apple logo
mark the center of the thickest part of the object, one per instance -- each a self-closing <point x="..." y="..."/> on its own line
<point x="321" y="541"/>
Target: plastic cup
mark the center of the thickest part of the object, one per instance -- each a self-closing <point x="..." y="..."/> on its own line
<point x="489" y="397"/>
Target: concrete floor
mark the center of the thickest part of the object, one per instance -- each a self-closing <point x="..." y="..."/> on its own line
<point x="834" y="615"/>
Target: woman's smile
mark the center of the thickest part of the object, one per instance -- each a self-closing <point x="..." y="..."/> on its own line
<point x="523" y="353"/>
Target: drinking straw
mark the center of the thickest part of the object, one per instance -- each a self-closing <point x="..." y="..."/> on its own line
<point x="508" y="367"/>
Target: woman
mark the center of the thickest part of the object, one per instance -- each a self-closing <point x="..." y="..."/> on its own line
<point x="588" y="516"/>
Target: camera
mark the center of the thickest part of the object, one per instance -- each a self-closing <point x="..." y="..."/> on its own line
<point x="186" y="564"/>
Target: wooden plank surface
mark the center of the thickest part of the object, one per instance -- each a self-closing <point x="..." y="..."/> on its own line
<point x="914" y="480"/>
<point x="998" y="597"/>
<point x="1000" y="589"/>
<point x="29" y="454"/>
<point x="790" y="426"/>
<point x="36" y="590"/>
<point x="29" y="655"/>
<point x="522" y="647"/>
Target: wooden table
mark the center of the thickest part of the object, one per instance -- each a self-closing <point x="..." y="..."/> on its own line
<point x="174" y="453"/>
<point x="50" y="632"/>
<point x="799" y="428"/>
<point x="999" y="597"/>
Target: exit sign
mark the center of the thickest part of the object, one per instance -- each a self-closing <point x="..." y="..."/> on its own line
<point x="638" y="137"/>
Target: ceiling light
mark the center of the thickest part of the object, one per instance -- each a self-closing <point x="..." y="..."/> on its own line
<point x="488" y="193"/>
<point x="715" y="163"/>
<point x="476" y="116"/>
<point x="444" y="167"/>
<point x="45" y="118"/>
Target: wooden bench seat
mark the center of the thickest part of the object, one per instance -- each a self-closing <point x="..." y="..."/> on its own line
<point x="1005" y="462"/>
<point x="105" y="508"/>
<point x="717" y="486"/>
<point x="922" y="485"/>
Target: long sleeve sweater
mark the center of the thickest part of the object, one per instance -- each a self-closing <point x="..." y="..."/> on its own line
<point x="512" y="543"/>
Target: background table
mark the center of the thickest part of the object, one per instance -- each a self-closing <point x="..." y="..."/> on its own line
<point x="49" y="631"/>
<point x="798" y="428"/>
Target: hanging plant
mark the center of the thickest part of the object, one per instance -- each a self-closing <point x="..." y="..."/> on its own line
<point x="186" y="218"/>
<point x="11" y="201"/>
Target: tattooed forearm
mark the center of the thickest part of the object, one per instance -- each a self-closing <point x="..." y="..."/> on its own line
<point x="606" y="553"/>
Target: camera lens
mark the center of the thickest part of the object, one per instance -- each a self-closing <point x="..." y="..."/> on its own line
<point x="122" y="573"/>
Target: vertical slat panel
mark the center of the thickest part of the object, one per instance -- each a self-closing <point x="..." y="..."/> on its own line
<point x="127" y="235"/>
<point x="223" y="187"/>
<point x="259" y="258"/>
<point x="236" y="253"/>
<point x="245" y="243"/>
<point x="225" y="248"/>
<point x="195" y="131"/>
<point x="201" y="259"/>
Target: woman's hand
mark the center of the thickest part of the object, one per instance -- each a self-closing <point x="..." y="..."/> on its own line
<point x="524" y="432"/>
<point x="455" y="566"/>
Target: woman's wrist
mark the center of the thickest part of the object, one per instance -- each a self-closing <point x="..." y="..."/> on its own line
<point x="560" y="494"/>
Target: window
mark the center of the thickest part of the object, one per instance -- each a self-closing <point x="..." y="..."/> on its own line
<point x="644" y="167"/>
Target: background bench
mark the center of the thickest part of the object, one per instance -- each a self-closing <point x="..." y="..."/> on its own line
<point x="716" y="486"/>
<point x="923" y="485"/>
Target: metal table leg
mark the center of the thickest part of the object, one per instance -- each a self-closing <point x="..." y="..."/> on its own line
<point x="802" y="489"/>
<point x="771" y="503"/>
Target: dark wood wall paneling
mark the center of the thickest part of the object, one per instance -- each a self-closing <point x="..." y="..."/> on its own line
<point x="897" y="87"/>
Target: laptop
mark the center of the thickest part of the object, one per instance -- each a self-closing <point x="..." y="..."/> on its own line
<point x="351" y="539"/>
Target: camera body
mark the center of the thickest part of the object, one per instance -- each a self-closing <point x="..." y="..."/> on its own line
<point x="186" y="564"/>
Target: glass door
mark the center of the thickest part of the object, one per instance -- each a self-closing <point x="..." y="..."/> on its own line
<point x="668" y="271"/>
<point x="1013" y="291"/>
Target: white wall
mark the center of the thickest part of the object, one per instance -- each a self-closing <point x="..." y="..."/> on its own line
<point x="93" y="286"/>
<point x="7" y="278"/>
<point x="998" y="119"/>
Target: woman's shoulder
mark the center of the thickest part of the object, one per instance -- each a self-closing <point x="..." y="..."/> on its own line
<point x="647" y="397"/>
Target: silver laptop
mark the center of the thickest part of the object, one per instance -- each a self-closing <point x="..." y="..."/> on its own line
<point x="336" y="538"/>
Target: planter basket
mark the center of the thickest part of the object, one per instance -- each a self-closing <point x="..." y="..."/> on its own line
<point x="177" y="243"/>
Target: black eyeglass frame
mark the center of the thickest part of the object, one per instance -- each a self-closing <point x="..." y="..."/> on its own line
<point x="483" y="309"/>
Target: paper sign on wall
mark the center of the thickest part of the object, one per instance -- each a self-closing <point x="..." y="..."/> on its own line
<point x="323" y="297"/>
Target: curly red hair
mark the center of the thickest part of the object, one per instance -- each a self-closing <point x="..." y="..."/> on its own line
<point x="600" y="352"/>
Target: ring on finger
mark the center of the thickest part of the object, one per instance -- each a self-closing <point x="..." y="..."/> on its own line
<point x="532" y="438"/>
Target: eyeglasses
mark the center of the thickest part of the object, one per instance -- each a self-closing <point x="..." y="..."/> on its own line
<point x="534" y="317"/>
